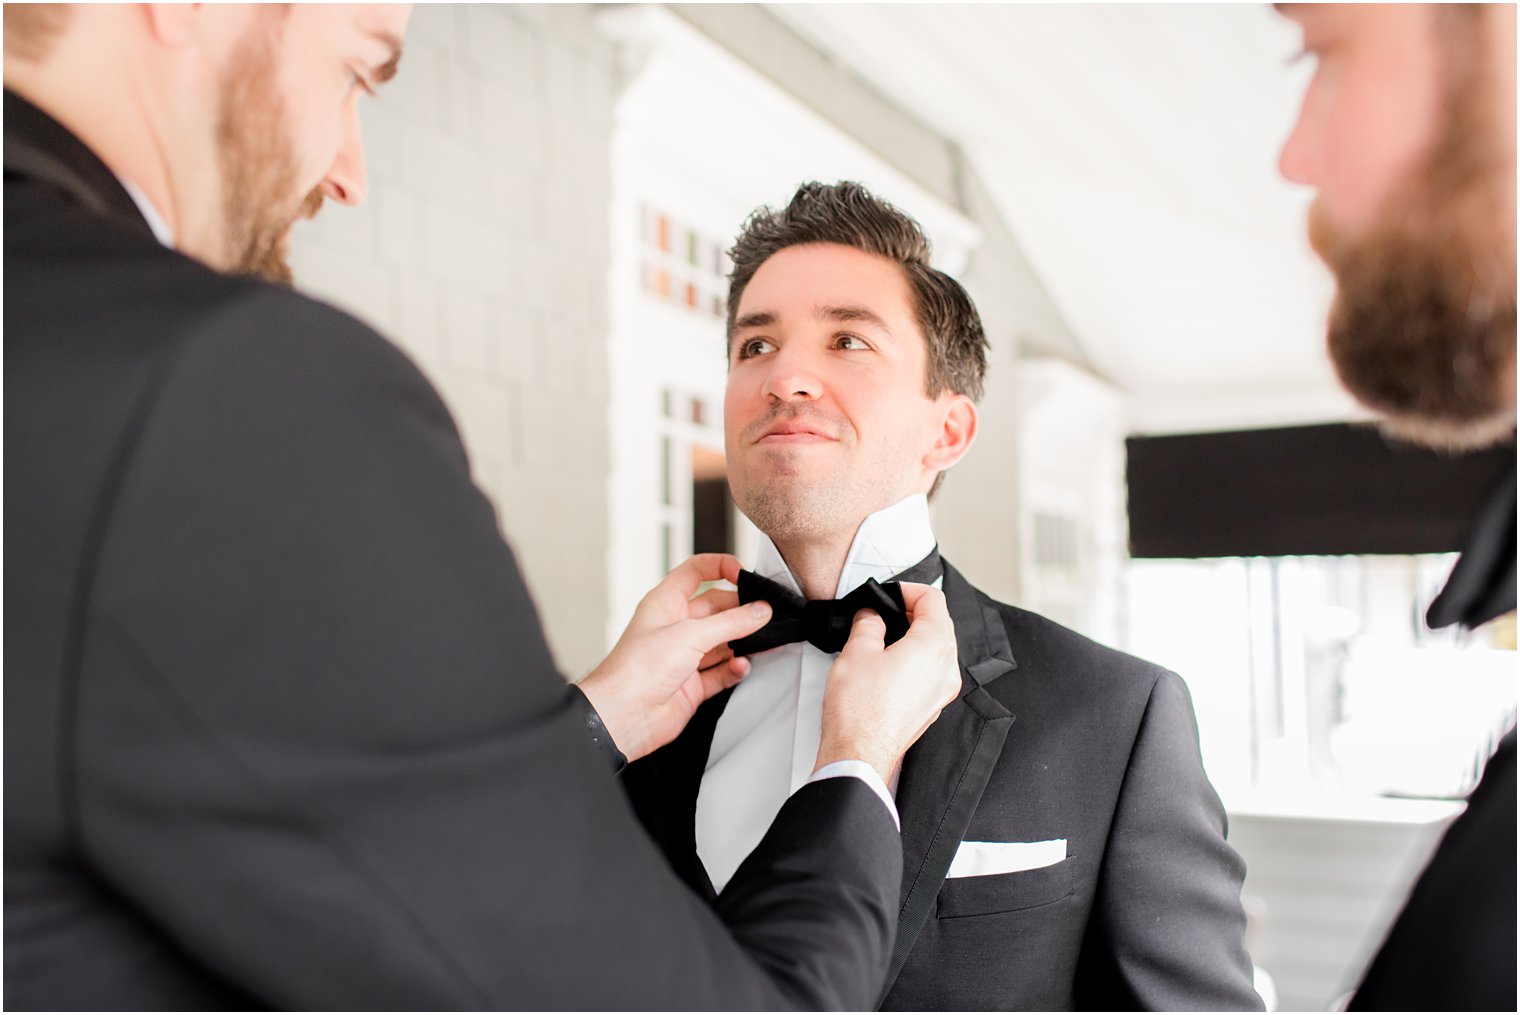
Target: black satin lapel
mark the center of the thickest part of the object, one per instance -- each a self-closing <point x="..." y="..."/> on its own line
<point x="943" y="778"/>
<point x="981" y="640"/>
<point x="1482" y="584"/>
<point x="946" y="772"/>
<point x="663" y="788"/>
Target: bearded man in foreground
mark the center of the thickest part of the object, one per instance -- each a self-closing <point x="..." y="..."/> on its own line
<point x="1408" y="136"/>
<point x="281" y="726"/>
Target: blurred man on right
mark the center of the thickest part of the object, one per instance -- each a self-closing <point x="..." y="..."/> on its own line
<point x="1407" y="134"/>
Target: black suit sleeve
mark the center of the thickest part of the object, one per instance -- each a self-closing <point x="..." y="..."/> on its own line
<point x="1167" y="917"/>
<point x="319" y="740"/>
<point x="1452" y="947"/>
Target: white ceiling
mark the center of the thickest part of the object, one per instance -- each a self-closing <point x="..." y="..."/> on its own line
<point x="1132" y="151"/>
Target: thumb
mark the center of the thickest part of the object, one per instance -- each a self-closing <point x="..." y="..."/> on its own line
<point x="868" y="631"/>
<point x="707" y="633"/>
<point x="918" y="597"/>
<point x="929" y="610"/>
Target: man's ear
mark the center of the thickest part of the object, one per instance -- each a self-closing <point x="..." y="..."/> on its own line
<point x="172" y="24"/>
<point x="957" y="431"/>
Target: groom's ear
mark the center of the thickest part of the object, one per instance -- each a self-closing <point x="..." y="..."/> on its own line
<point x="956" y="433"/>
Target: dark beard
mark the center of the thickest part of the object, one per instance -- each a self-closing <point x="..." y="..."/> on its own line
<point x="258" y="168"/>
<point x="1417" y="337"/>
<point x="1423" y="325"/>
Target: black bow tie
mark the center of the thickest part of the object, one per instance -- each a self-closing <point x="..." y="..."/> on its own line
<point x="825" y="623"/>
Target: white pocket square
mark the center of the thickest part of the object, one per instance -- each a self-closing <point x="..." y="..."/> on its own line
<point x="974" y="859"/>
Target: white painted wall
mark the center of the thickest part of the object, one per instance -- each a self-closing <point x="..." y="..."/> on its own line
<point x="482" y="250"/>
<point x="1070" y="434"/>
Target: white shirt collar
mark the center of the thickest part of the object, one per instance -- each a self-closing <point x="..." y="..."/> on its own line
<point x="887" y="543"/>
<point x="156" y="222"/>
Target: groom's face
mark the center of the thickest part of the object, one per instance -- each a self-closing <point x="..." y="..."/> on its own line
<point x="826" y="415"/>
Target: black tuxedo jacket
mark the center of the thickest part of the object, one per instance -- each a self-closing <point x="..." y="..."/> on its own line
<point x="1452" y="947"/>
<point x="281" y="727"/>
<point x="1053" y="737"/>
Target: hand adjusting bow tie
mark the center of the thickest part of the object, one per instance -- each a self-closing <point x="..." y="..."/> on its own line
<point x="825" y="623"/>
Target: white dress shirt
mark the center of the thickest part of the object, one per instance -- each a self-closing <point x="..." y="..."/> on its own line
<point x="766" y="741"/>
<point x="156" y="222"/>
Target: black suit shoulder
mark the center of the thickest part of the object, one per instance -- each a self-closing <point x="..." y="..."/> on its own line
<point x="1452" y="947"/>
<point x="1057" y="652"/>
<point x="64" y="259"/>
<point x="1104" y="753"/>
<point x="291" y="446"/>
<point x="53" y="247"/>
<point x="259" y="346"/>
<point x="103" y="309"/>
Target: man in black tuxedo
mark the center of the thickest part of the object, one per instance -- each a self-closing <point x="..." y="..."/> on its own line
<point x="1063" y="847"/>
<point x="281" y="728"/>
<point x="1407" y="135"/>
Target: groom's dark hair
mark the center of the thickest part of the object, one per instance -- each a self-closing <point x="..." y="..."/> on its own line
<point x="848" y="214"/>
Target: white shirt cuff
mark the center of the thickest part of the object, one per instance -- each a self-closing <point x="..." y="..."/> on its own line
<point x="866" y="774"/>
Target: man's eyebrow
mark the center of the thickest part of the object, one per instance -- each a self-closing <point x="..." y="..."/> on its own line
<point x="863" y="315"/>
<point x="756" y="319"/>
<point x="387" y="70"/>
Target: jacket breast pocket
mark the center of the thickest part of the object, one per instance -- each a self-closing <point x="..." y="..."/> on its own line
<point x="1005" y="893"/>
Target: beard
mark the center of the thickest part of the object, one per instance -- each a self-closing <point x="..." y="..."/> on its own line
<point x="1422" y="329"/>
<point x="258" y="166"/>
